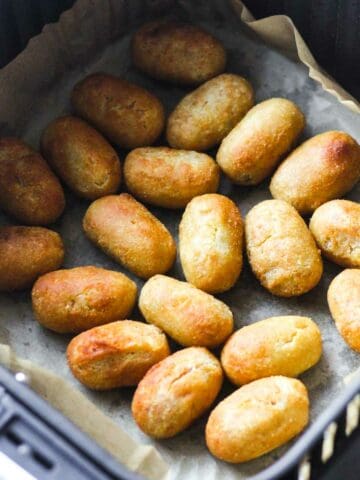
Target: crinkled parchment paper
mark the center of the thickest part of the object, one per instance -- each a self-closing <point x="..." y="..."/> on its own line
<point x="94" y="35"/>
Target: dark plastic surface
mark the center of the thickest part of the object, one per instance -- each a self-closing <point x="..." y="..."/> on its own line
<point x="50" y="447"/>
<point x="331" y="28"/>
<point x="45" y="443"/>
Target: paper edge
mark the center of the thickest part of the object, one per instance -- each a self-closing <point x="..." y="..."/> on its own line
<point x="139" y="458"/>
<point x="297" y="47"/>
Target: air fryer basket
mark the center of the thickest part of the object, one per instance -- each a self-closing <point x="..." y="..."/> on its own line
<point x="306" y="455"/>
<point x="47" y="444"/>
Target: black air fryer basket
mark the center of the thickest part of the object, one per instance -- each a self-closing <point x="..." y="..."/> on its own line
<point x="49" y="446"/>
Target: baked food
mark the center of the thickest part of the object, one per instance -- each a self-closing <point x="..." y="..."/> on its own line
<point x="281" y="250"/>
<point x="205" y="116"/>
<point x="124" y="229"/>
<point x="344" y="303"/>
<point x="177" y="52"/>
<point x="336" y="229"/>
<point x="117" y="354"/>
<point x="257" y="418"/>
<point x="211" y="242"/>
<point x="169" y="178"/>
<point x="29" y="190"/>
<point x="323" y="168"/>
<point x="76" y="299"/>
<point x="286" y="345"/>
<point x="188" y="315"/>
<point x="176" y="391"/>
<point x="128" y="115"/>
<point x="81" y="157"/>
<point x="27" y="253"/>
<point x="254" y="147"/>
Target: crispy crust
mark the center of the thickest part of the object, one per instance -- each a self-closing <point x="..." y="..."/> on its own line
<point x="29" y="190"/>
<point x="178" y="53"/>
<point x="80" y="298"/>
<point x="176" y="391"/>
<point x="169" y="178"/>
<point x="211" y="243"/>
<point x="27" y="253"/>
<point x="124" y="229"/>
<point x="117" y="354"/>
<point x="81" y="157"/>
<point x="188" y="315"/>
<point x="257" y="418"/>
<point x="251" y="151"/>
<point x="323" y="168"/>
<point x="205" y="116"/>
<point x="286" y="345"/>
<point x="336" y="228"/>
<point x="281" y="250"/>
<point x="344" y="303"/>
<point x="125" y="113"/>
